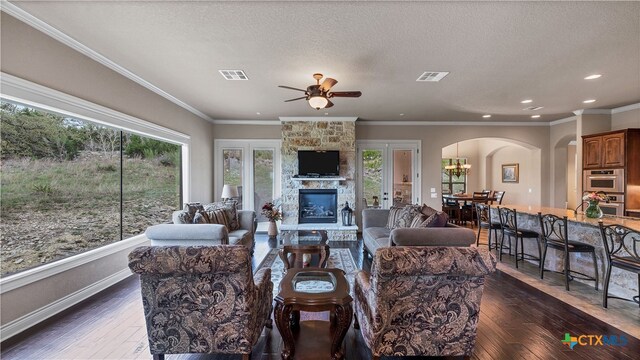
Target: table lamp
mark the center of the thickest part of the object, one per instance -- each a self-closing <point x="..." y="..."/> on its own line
<point x="229" y="191"/>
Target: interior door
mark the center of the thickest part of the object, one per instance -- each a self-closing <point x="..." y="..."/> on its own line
<point x="387" y="174"/>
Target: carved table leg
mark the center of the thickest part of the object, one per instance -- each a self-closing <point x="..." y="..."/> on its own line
<point x="282" y="315"/>
<point x="343" y="315"/>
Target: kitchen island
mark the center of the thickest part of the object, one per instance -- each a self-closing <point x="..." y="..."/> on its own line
<point x="623" y="283"/>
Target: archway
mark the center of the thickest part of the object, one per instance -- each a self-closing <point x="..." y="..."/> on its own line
<point x="563" y="173"/>
<point x="487" y="155"/>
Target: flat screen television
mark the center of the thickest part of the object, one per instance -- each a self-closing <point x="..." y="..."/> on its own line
<point x="318" y="162"/>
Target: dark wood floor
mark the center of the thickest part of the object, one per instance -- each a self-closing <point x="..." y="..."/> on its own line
<point x="516" y="322"/>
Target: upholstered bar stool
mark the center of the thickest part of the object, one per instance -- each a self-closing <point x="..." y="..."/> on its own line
<point x="555" y="236"/>
<point x="509" y="223"/>
<point x="483" y="212"/>
<point x="621" y="245"/>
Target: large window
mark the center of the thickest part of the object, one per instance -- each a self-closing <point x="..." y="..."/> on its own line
<point x="69" y="186"/>
<point x="452" y="184"/>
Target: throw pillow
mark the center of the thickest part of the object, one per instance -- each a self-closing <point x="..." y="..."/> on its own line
<point x="201" y="217"/>
<point x="219" y="216"/>
<point x="394" y="212"/>
<point x="184" y="218"/>
<point x="440" y="219"/>
<point x="230" y="209"/>
<point x="406" y="216"/>
<point x="417" y="221"/>
<point x="428" y="210"/>
<point x="191" y="209"/>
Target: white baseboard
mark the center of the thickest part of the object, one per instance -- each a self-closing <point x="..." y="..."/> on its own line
<point x="24" y="322"/>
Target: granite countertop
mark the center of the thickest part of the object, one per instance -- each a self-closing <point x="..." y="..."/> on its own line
<point x="632" y="223"/>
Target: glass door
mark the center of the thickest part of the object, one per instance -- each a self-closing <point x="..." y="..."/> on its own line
<point x="388" y="174"/>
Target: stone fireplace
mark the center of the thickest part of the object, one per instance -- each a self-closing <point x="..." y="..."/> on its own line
<point x="318" y="134"/>
<point x="318" y="206"/>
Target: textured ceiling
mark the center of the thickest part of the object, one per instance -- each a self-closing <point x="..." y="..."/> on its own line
<point x="498" y="53"/>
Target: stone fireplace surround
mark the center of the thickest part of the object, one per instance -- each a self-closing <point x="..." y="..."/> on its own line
<point x="318" y="134"/>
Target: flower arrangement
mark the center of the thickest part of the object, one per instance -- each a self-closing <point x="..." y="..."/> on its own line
<point x="595" y="197"/>
<point x="271" y="212"/>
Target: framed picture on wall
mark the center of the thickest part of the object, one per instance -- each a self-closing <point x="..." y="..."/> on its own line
<point x="510" y="173"/>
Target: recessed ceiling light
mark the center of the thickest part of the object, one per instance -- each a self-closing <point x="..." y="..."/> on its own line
<point x="486" y="116"/>
<point x="591" y="77"/>
<point x="589" y="101"/>
<point x="535" y="116"/>
<point x="257" y="113"/>
<point x="326" y="113"/>
<point x="401" y="114"/>
<point x="526" y="101"/>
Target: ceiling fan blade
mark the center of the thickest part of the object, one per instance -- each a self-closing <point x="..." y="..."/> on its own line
<point x="327" y="84"/>
<point x="329" y="104"/>
<point x="291" y="88"/>
<point x="300" y="98"/>
<point x="345" y="94"/>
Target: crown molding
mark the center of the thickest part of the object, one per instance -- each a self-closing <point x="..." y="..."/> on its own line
<point x="246" y="122"/>
<point x="56" y="34"/>
<point x="625" y="108"/>
<point x="562" y="121"/>
<point x="318" y="118"/>
<point x="451" y="123"/>
<point x="592" y="112"/>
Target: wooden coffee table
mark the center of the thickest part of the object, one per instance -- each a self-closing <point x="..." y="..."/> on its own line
<point x="313" y="290"/>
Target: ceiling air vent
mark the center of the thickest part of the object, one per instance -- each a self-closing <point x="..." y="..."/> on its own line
<point x="532" y="108"/>
<point x="234" y="74"/>
<point x="432" y="75"/>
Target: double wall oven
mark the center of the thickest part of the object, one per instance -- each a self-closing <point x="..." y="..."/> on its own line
<point x="610" y="181"/>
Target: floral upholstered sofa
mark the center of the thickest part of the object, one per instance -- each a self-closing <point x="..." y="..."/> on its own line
<point x="202" y="299"/>
<point x="422" y="300"/>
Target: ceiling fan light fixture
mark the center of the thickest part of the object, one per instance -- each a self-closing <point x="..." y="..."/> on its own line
<point x="318" y="102"/>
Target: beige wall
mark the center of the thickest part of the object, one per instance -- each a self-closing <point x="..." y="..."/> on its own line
<point x="625" y="120"/>
<point x="32" y="55"/>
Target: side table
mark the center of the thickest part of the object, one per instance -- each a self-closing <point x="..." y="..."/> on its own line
<point x="313" y="290"/>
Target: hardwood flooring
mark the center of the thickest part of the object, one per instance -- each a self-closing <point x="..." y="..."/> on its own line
<point x="517" y="321"/>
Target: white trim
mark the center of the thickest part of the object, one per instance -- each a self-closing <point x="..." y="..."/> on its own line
<point x="49" y="30"/>
<point x="318" y="118"/>
<point x="562" y="121"/>
<point x="247" y="122"/>
<point x="592" y="112"/>
<point x="29" y="93"/>
<point x="27" y="277"/>
<point x="452" y="123"/>
<point x="339" y="178"/>
<point x="24" y="322"/>
<point x="625" y="108"/>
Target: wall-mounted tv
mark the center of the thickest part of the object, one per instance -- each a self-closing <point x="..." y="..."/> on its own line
<point x="318" y="162"/>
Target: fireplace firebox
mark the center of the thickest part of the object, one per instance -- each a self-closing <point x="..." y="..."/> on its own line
<point x="318" y="206"/>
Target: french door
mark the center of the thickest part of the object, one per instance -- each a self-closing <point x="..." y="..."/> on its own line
<point x="388" y="173"/>
<point x="251" y="165"/>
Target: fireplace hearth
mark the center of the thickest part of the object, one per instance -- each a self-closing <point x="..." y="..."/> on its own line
<point x="318" y="206"/>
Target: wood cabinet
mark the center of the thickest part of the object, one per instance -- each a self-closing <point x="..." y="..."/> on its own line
<point x="603" y="150"/>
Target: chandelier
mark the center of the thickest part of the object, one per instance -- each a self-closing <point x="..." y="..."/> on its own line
<point x="458" y="169"/>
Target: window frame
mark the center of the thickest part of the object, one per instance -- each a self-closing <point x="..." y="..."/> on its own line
<point x="23" y="92"/>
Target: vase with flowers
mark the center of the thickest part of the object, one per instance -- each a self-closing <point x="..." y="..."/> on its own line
<point x="271" y="212"/>
<point x="593" y="199"/>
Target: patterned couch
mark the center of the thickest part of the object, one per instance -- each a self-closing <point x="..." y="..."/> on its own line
<point x="202" y="299"/>
<point x="422" y="300"/>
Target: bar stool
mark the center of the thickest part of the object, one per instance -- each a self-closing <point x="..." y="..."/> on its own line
<point x="555" y="235"/>
<point x="483" y="212"/>
<point x="622" y="245"/>
<point x="509" y="223"/>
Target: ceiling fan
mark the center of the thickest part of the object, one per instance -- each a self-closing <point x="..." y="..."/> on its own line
<point x="318" y="95"/>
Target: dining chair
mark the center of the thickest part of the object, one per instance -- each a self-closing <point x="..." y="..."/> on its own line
<point x="452" y="208"/>
<point x="498" y="195"/>
<point x="469" y="210"/>
<point x="509" y="224"/>
<point x="621" y="245"/>
<point x="555" y="236"/>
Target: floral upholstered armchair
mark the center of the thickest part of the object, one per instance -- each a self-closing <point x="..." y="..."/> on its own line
<point x="422" y="300"/>
<point x="202" y="299"/>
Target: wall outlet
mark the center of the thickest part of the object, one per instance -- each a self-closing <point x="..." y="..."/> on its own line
<point x="530" y="191"/>
<point x="433" y="190"/>
<point x="434" y="195"/>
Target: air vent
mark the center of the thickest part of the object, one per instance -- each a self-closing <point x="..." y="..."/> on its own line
<point x="234" y="74"/>
<point x="532" y="108"/>
<point x="432" y="76"/>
